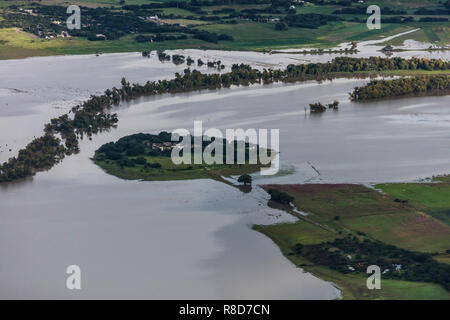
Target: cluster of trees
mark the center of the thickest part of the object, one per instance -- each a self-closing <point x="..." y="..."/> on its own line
<point x="445" y="10"/>
<point x="280" y="196"/>
<point x="334" y="105"/>
<point x="104" y="23"/>
<point x="246" y="179"/>
<point x="193" y="5"/>
<point x="361" y="10"/>
<point x="162" y="56"/>
<point x="109" y="23"/>
<point x="348" y="64"/>
<point x="377" y="89"/>
<point x="179" y="59"/>
<point x="41" y="153"/>
<point x="310" y="20"/>
<point x="131" y="150"/>
<point x="92" y="116"/>
<point x="211" y="37"/>
<point x="114" y="22"/>
<point x="318" y="107"/>
<point x="88" y="118"/>
<point x="441" y="9"/>
<point x="432" y="19"/>
<point x="215" y="64"/>
<point x="401" y="264"/>
<point x="159" y="37"/>
<point x="38" y="25"/>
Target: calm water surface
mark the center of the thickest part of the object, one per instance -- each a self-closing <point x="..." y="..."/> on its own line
<point x="187" y="239"/>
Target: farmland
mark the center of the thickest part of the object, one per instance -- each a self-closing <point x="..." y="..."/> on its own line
<point x="257" y="26"/>
<point x="432" y="197"/>
<point x="350" y="211"/>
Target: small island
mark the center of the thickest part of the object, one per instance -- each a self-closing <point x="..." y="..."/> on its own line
<point x="92" y="116"/>
<point x="148" y="157"/>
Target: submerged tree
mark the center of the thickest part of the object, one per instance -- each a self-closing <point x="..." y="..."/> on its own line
<point x="245" y="179"/>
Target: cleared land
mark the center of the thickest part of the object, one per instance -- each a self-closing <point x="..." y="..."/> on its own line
<point x="365" y="213"/>
<point x="247" y="34"/>
<point x="433" y="198"/>
<point x="381" y="217"/>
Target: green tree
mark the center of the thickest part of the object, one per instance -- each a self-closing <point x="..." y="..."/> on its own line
<point x="245" y="179"/>
<point x="281" y="26"/>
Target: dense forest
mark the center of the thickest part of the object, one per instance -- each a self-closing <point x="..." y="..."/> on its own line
<point x="92" y="116"/>
<point x="378" y="89"/>
<point x="350" y="254"/>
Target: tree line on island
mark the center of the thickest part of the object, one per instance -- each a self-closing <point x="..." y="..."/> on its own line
<point x="61" y="134"/>
<point x="378" y="89"/>
<point x="178" y="59"/>
<point x="148" y="156"/>
<point x="125" y="151"/>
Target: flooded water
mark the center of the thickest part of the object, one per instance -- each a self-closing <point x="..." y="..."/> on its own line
<point x="187" y="239"/>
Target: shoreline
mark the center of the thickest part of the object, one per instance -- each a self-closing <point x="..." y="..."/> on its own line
<point x="303" y="49"/>
<point x="340" y="282"/>
<point x="352" y="285"/>
<point x="310" y="52"/>
<point x="217" y="90"/>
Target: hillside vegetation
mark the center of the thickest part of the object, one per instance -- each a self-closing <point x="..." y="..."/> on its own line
<point x="136" y="25"/>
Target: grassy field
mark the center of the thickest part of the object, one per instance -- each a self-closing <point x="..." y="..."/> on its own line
<point x="349" y="209"/>
<point x="18" y="44"/>
<point x="431" y="33"/>
<point x="259" y="36"/>
<point x="433" y="198"/>
<point x="353" y="286"/>
<point x="416" y="231"/>
<point x="248" y="35"/>
<point x="171" y="171"/>
<point x="358" y="208"/>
